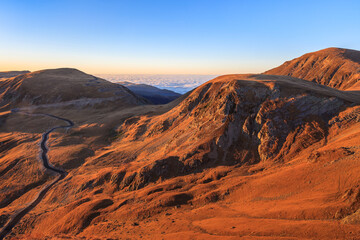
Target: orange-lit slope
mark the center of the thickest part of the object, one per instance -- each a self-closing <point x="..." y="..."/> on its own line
<point x="334" y="67"/>
<point x="242" y="156"/>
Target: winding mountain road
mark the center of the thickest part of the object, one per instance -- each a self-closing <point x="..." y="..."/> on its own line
<point x="45" y="161"/>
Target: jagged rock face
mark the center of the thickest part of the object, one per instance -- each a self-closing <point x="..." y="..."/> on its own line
<point x="333" y="67"/>
<point x="236" y="119"/>
<point x="59" y="85"/>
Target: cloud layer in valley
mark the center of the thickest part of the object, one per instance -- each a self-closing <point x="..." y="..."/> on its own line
<point x="179" y="83"/>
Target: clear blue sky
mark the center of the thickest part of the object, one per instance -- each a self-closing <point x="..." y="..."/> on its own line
<point x="171" y="36"/>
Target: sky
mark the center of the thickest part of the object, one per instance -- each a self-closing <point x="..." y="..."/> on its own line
<point x="171" y="36"/>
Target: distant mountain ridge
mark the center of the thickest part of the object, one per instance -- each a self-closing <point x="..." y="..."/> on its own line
<point x="9" y="74"/>
<point x="153" y="94"/>
<point x="334" y="67"/>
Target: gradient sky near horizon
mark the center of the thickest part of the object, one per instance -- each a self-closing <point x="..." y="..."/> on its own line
<point x="170" y="36"/>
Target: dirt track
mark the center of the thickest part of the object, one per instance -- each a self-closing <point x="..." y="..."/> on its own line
<point x="45" y="161"/>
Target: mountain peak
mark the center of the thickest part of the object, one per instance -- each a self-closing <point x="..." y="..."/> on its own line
<point x="350" y="54"/>
<point x="61" y="85"/>
<point x="334" y="67"/>
<point x="60" y="72"/>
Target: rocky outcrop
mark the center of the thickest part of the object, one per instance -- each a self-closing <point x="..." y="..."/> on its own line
<point x="236" y="119"/>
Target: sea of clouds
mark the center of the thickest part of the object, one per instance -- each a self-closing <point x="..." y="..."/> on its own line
<point x="178" y="83"/>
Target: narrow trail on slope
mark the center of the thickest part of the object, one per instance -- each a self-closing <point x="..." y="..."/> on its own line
<point x="45" y="161"/>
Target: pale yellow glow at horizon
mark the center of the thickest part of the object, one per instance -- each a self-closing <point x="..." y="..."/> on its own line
<point x="133" y="68"/>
